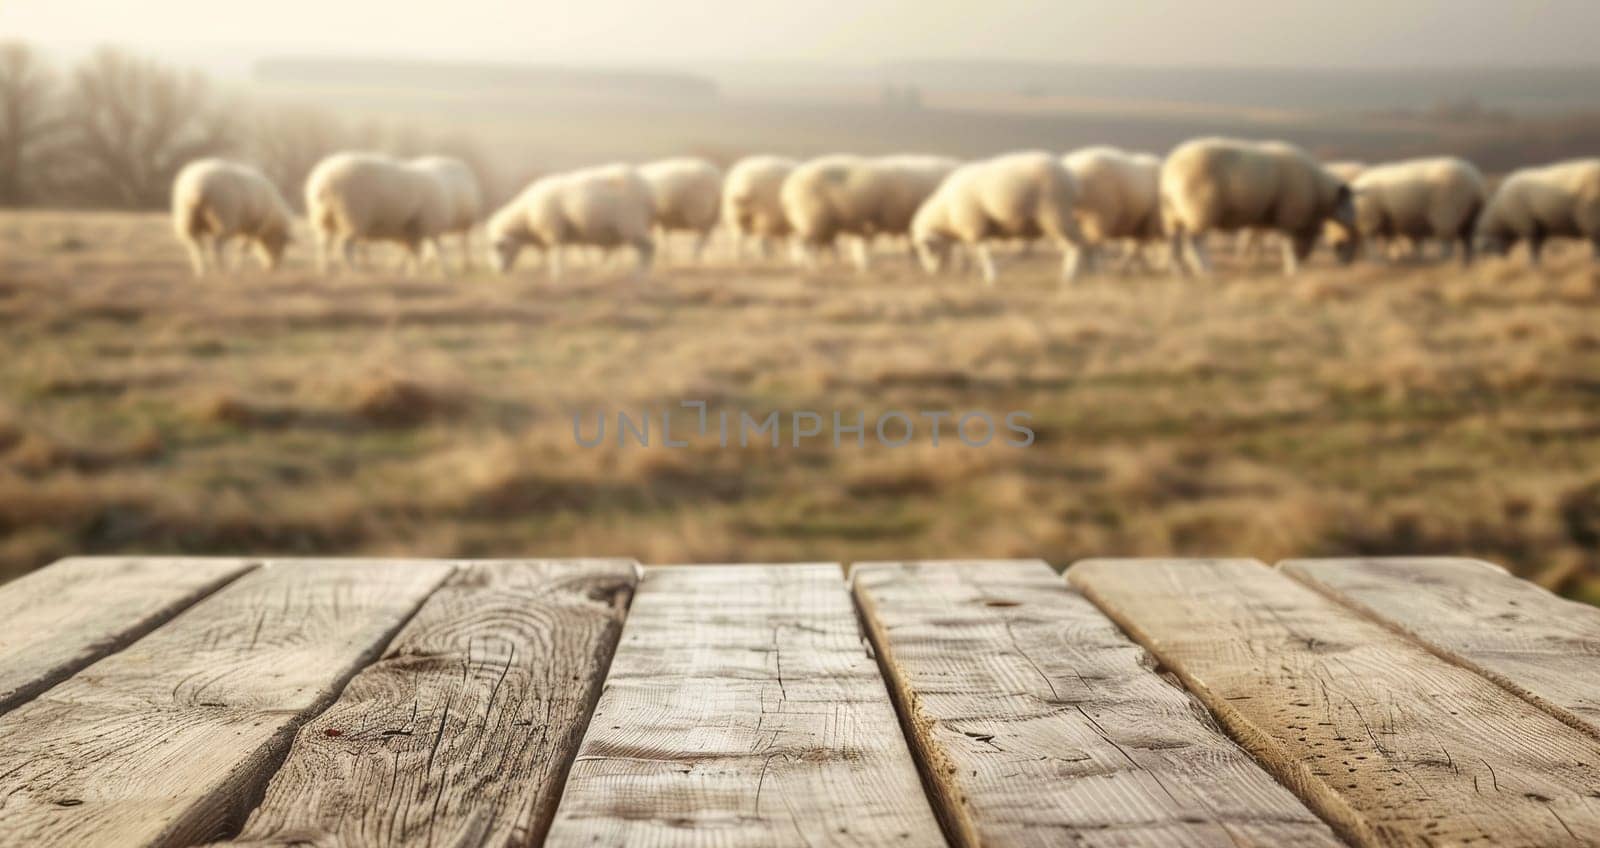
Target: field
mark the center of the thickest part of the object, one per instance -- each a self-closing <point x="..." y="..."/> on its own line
<point x="1394" y="410"/>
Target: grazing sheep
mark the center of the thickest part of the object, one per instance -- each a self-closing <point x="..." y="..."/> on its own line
<point x="1018" y="195"/>
<point x="1417" y="200"/>
<point x="1118" y="199"/>
<point x="217" y="201"/>
<point x="1534" y="204"/>
<point x="752" y="201"/>
<point x="852" y="195"/>
<point x="605" y="207"/>
<point x="359" y="197"/>
<point x="466" y="198"/>
<point x="1252" y="244"/>
<point x="688" y="194"/>
<point x="1221" y="184"/>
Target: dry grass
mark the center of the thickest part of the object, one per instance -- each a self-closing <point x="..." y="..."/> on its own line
<point x="1362" y="411"/>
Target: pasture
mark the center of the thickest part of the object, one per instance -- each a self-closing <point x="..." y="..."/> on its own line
<point x="1372" y="409"/>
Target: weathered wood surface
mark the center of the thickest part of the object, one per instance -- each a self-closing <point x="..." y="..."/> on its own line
<point x="462" y="732"/>
<point x="168" y="741"/>
<point x="1540" y="646"/>
<point x="1041" y="724"/>
<point x="1389" y="743"/>
<point x="62" y="618"/>
<point x="743" y="709"/>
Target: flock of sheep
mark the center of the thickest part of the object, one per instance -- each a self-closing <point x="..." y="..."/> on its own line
<point x="1090" y="204"/>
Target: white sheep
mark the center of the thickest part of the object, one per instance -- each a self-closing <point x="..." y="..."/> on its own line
<point x="217" y="201"/>
<point x="1019" y="195"/>
<point x="688" y="197"/>
<point x="1118" y="198"/>
<point x="1417" y="200"/>
<point x="360" y="197"/>
<point x="752" y="201"/>
<point x="1221" y="184"/>
<point x="1534" y="204"/>
<point x="466" y="197"/>
<point x="605" y="207"/>
<point x="858" y="196"/>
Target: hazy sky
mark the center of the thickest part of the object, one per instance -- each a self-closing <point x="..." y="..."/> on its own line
<point x="1144" y="32"/>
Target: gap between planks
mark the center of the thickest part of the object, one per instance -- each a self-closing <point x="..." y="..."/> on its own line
<point x="171" y="740"/>
<point x="1388" y="742"/>
<point x="1037" y="722"/>
<point x="66" y="616"/>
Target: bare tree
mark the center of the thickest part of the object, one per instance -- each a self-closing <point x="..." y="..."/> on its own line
<point x="28" y="122"/>
<point x="133" y="123"/>
<point x="287" y="141"/>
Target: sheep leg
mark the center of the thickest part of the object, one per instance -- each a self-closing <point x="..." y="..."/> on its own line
<point x="1073" y="261"/>
<point x="219" y="254"/>
<point x="347" y="250"/>
<point x="553" y="260"/>
<point x="466" y="251"/>
<point x="1535" y="249"/>
<point x="1291" y="258"/>
<point x="197" y="255"/>
<point x="646" y="255"/>
<point x="1193" y="253"/>
<point x="434" y="248"/>
<point x="985" y="262"/>
<point x="700" y="241"/>
<point x="860" y="249"/>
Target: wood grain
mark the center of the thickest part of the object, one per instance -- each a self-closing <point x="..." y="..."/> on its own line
<point x="1538" y="645"/>
<point x="462" y="732"/>
<point x="742" y="709"/>
<point x="1389" y="743"/>
<point x="169" y="741"/>
<point x="63" y="617"/>
<point x="1041" y="724"/>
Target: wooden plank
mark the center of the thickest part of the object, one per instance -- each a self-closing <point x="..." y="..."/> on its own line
<point x="63" y="617"/>
<point x="462" y="733"/>
<point x="1040" y="724"/>
<point x="1389" y="743"/>
<point x="743" y="709"/>
<point x="169" y="741"/>
<point x="1538" y="645"/>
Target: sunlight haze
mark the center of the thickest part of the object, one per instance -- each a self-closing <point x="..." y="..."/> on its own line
<point x="1155" y="32"/>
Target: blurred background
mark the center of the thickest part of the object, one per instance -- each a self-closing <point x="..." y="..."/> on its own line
<point x="1379" y="409"/>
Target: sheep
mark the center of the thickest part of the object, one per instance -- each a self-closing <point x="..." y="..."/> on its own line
<point x="1019" y="195"/>
<point x="1223" y="184"/>
<point x="215" y="200"/>
<point x="1251" y="244"/>
<point x="1118" y="198"/>
<point x="1533" y="204"/>
<point x="688" y="196"/>
<point x="605" y="207"/>
<point x="752" y="203"/>
<point x="466" y="198"/>
<point x="1419" y="199"/>
<point x="355" y="197"/>
<point x="853" y="195"/>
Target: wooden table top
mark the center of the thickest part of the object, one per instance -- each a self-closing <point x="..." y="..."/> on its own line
<point x="180" y="701"/>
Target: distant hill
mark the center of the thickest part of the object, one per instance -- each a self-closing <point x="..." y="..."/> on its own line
<point x="1301" y="89"/>
<point x="463" y="76"/>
